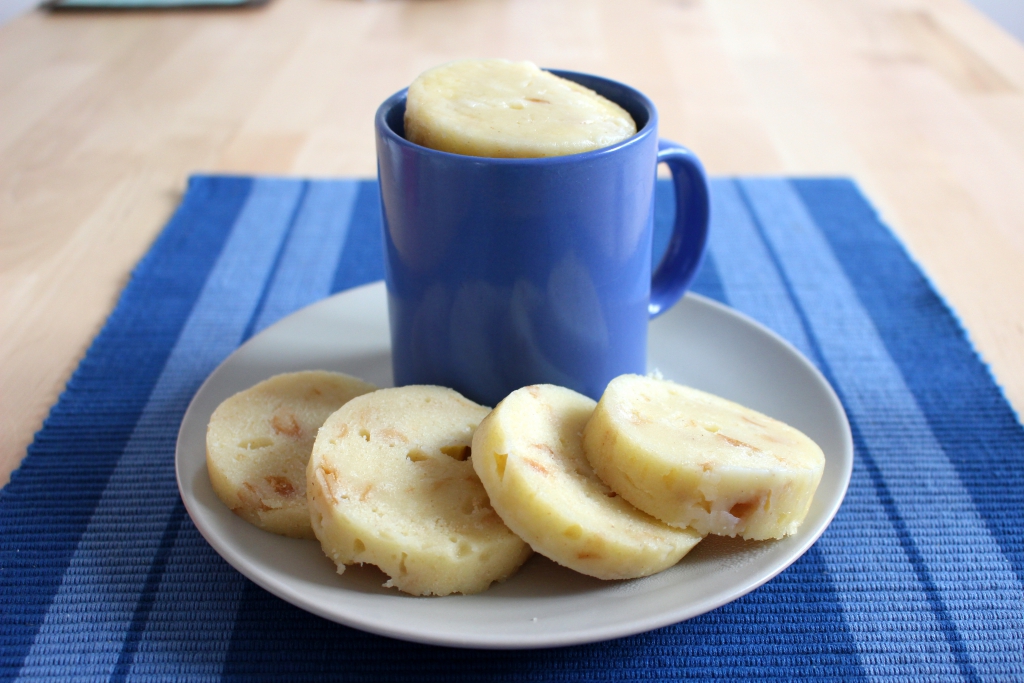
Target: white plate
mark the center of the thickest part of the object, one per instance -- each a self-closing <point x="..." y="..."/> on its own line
<point x="698" y="342"/>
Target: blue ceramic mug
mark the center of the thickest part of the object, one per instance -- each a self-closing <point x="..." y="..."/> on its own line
<point x="507" y="272"/>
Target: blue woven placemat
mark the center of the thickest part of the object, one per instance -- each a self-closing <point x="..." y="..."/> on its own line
<point x="103" y="576"/>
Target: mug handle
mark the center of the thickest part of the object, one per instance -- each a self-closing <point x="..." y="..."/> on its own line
<point x="690" y="231"/>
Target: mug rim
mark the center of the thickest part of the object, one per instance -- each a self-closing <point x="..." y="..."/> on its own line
<point x="397" y="99"/>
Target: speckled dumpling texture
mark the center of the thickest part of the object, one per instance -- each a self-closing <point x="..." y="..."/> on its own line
<point x="259" y="440"/>
<point x="529" y="455"/>
<point x="390" y="483"/>
<point x="697" y="460"/>
<point x="498" y="108"/>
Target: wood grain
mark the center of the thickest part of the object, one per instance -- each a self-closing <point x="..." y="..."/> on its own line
<point x="105" y="114"/>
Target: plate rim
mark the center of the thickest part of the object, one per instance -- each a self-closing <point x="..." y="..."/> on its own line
<point x="293" y="595"/>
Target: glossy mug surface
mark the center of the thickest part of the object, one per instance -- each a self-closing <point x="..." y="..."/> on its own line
<point x="507" y="272"/>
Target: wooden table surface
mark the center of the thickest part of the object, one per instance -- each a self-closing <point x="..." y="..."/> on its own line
<point x="103" y="115"/>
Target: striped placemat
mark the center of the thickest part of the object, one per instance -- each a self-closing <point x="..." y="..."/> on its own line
<point x="103" y="575"/>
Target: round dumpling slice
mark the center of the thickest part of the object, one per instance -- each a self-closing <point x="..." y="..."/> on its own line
<point x="498" y="108"/>
<point x="529" y="455"/>
<point x="696" y="460"/>
<point x="259" y="440"/>
<point x="390" y="483"/>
